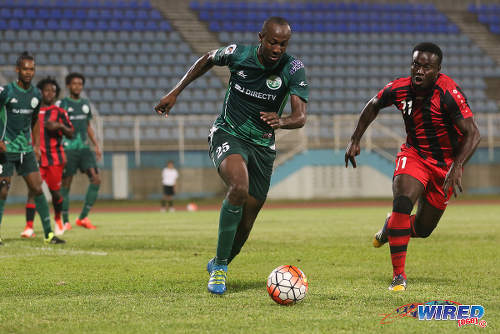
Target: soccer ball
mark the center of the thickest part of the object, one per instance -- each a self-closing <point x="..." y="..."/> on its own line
<point x="192" y="207"/>
<point x="287" y="285"/>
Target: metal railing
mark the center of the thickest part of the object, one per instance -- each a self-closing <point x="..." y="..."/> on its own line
<point x="189" y="132"/>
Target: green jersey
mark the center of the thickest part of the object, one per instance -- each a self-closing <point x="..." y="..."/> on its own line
<point x="254" y="88"/>
<point x="18" y="112"/>
<point x="80" y="115"/>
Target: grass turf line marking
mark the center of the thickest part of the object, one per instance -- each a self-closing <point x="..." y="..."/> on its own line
<point x="57" y="251"/>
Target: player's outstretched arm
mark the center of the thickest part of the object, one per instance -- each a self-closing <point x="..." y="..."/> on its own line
<point x="200" y="67"/>
<point x="468" y="146"/>
<point x="295" y="120"/>
<point x="368" y="114"/>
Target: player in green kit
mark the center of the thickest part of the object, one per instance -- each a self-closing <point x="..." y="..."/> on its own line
<point x="19" y="107"/>
<point x="241" y="141"/>
<point x="78" y="152"/>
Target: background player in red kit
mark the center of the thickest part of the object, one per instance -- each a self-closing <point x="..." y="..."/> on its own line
<point x="53" y="123"/>
<point x="441" y="137"/>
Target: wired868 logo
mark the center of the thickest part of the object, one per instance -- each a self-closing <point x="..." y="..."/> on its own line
<point x="439" y="310"/>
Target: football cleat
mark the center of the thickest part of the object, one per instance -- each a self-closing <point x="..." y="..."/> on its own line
<point x="217" y="280"/>
<point x="210" y="265"/>
<point x="398" y="283"/>
<point x="58" y="227"/>
<point x="85" y="222"/>
<point x="52" y="239"/>
<point x="67" y="226"/>
<point x="380" y="238"/>
<point x="28" y="233"/>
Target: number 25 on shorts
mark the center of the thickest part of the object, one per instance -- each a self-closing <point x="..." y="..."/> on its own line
<point x="401" y="162"/>
<point x="222" y="149"/>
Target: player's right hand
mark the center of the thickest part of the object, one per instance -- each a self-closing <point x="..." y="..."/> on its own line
<point x="351" y="152"/>
<point x="3" y="147"/>
<point x="166" y="103"/>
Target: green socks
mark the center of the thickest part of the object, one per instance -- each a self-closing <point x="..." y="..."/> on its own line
<point x="90" y="199"/>
<point x="230" y="217"/>
<point x="65" y="204"/>
<point x="43" y="210"/>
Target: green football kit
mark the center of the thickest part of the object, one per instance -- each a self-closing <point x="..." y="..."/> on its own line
<point x="77" y="149"/>
<point x="252" y="89"/>
<point x="18" y="112"/>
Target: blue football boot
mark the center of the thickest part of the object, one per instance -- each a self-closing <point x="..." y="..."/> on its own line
<point x="210" y="265"/>
<point x="217" y="280"/>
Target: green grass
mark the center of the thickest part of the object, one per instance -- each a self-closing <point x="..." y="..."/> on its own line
<point x="145" y="273"/>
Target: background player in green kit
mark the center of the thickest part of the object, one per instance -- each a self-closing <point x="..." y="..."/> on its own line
<point x="19" y="107"/>
<point x="77" y="149"/>
<point x="242" y="137"/>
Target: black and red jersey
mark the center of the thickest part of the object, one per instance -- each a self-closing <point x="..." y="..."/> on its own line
<point x="430" y="117"/>
<point x="51" y="149"/>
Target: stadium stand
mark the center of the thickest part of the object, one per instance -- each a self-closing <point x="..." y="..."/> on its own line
<point x="487" y="14"/>
<point x="352" y="49"/>
<point x="128" y="51"/>
<point x="131" y="54"/>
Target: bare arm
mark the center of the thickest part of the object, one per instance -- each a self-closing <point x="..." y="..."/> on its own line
<point x="54" y="126"/>
<point x="295" y="120"/>
<point x="468" y="146"/>
<point x="92" y="137"/>
<point x="36" y="138"/>
<point x="368" y="114"/>
<point x="200" y="67"/>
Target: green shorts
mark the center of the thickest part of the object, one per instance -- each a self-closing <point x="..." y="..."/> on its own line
<point x="259" y="159"/>
<point x="82" y="159"/>
<point x="24" y="163"/>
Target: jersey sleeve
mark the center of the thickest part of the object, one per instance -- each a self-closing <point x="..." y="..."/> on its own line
<point x="456" y="104"/>
<point x="387" y="95"/>
<point x="298" y="81"/>
<point x="225" y="56"/>
<point x="65" y="118"/>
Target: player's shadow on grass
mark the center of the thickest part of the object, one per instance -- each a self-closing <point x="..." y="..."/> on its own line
<point x="237" y="286"/>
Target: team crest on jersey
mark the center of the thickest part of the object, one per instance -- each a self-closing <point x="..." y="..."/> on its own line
<point x="34" y="102"/>
<point x="1" y="89"/>
<point x="230" y="49"/>
<point x="273" y="82"/>
<point x="85" y="109"/>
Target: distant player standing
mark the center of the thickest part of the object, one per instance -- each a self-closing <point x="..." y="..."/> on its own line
<point x="441" y="137"/>
<point x="19" y="107"/>
<point x="169" y="177"/>
<point x="53" y="124"/>
<point x="242" y="137"/>
<point x="78" y="152"/>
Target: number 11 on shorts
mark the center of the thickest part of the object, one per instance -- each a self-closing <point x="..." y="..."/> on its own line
<point x="401" y="161"/>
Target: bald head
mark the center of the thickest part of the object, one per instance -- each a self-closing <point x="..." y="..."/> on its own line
<point x="276" y="23"/>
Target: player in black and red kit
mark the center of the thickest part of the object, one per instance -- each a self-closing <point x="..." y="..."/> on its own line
<point x="441" y="137"/>
<point x="54" y="123"/>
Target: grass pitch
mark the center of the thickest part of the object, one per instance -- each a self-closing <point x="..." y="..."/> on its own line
<point x="145" y="273"/>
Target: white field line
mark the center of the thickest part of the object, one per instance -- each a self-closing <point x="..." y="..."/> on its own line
<point x="49" y="250"/>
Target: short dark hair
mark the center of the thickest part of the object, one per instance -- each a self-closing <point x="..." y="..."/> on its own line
<point x="49" y="81"/>
<point x="273" y="19"/>
<point x="431" y="48"/>
<point x="73" y="75"/>
<point x="24" y="56"/>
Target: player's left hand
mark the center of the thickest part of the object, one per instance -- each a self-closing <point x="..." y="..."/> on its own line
<point x="271" y="118"/>
<point x="453" y="179"/>
<point x="38" y="155"/>
<point x="98" y="153"/>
